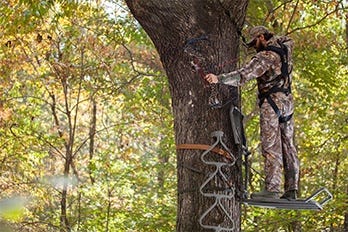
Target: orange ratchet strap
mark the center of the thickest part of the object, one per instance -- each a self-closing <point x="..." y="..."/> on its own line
<point x="203" y="147"/>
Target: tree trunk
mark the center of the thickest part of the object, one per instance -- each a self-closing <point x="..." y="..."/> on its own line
<point x="92" y="133"/>
<point x="170" y="24"/>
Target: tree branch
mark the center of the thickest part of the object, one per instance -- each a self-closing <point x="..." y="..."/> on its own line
<point x="337" y="8"/>
<point x="292" y="16"/>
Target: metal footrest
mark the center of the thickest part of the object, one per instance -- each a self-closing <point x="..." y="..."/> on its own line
<point x="283" y="204"/>
<point x="299" y="204"/>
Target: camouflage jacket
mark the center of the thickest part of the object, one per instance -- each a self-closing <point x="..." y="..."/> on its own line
<point x="265" y="66"/>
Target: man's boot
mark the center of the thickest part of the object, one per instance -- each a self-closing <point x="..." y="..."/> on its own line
<point x="290" y="195"/>
<point x="265" y="194"/>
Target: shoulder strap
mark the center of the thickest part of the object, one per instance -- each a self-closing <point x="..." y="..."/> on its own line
<point x="282" y="51"/>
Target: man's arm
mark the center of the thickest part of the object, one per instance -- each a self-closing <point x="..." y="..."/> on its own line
<point x="232" y="78"/>
<point x="258" y="65"/>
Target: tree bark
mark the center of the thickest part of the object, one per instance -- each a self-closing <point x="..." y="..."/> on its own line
<point x="170" y="24"/>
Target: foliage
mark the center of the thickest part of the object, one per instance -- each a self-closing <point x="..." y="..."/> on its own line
<point x="86" y="124"/>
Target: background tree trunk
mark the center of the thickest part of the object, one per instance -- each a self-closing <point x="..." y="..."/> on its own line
<point x="170" y="24"/>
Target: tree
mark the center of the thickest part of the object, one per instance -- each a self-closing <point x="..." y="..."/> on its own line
<point x="122" y="175"/>
<point x="170" y="24"/>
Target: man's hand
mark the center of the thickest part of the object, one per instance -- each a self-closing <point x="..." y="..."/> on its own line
<point x="211" y="78"/>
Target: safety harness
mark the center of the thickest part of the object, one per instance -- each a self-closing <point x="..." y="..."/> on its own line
<point x="282" y="51"/>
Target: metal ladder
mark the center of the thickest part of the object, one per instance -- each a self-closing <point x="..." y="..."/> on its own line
<point x="221" y="195"/>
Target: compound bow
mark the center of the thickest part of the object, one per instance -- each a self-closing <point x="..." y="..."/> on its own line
<point x="191" y="48"/>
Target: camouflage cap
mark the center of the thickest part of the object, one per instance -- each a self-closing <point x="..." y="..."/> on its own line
<point x="255" y="32"/>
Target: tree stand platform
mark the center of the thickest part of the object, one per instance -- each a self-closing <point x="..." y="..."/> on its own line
<point x="299" y="204"/>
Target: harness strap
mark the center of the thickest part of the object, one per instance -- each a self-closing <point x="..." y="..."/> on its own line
<point x="283" y="119"/>
<point x="274" y="106"/>
<point x="205" y="147"/>
<point x="274" y="89"/>
<point x="283" y="53"/>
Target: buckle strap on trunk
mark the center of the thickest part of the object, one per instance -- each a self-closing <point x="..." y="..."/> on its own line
<point x="188" y="146"/>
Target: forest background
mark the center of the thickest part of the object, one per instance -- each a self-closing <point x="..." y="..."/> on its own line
<point x="86" y="130"/>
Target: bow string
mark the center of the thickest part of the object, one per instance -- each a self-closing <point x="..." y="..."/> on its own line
<point x="194" y="47"/>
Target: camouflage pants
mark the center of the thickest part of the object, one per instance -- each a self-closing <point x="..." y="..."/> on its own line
<point x="278" y="146"/>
